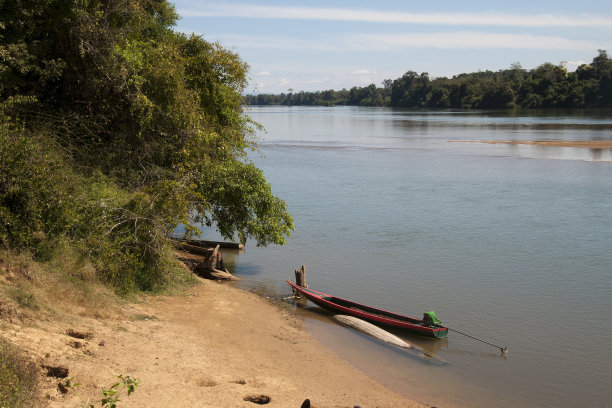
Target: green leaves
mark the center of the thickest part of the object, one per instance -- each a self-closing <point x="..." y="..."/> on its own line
<point x="110" y="396"/>
<point x="116" y="129"/>
<point x="242" y="201"/>
<point x="35" y="189"/>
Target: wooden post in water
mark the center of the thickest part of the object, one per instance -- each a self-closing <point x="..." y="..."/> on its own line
<point x="300" y="277"/>
<point x="220" y="265"/>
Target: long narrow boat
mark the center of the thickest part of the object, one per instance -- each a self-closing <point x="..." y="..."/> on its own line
<point x="371" y="314"/>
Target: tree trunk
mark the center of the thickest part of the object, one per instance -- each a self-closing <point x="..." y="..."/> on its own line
<point x="206" y="269"/>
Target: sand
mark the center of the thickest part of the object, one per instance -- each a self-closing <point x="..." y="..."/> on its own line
<point x="213" y="347"/>
<point x="591" y="144"/>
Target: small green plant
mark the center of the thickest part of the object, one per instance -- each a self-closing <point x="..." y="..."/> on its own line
<point x="110" y="396"/>
<point x="70" y="385"/>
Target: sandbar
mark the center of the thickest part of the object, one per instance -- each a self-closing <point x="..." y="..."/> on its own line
<point x="590" y="144"/>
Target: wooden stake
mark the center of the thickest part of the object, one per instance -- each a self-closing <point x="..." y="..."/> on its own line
<point x="300" y="277"/>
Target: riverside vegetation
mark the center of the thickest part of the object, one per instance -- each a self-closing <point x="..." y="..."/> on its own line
<point x="547" y="86"/>
<point x="115" y="129"/>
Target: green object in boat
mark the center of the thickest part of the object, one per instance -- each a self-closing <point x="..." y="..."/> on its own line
<point x="431" y="319"/>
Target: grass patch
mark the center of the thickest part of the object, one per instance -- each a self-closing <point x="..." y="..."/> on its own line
<point x="18" y="378"/>
<point x="23" y="297"/>
<point x="61" y="285"/>
<point x="68" y="283"/>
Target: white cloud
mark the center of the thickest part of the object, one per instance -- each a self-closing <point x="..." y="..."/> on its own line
<point x="398" y="41"/>
<point x="362" y="77"/>
<point x="315" y="81"/>
<point x="336" y="14"/>
<point x="573" y="65"/>
<point x="362" y="72"/>
<point x="257" y="86"/>
<point x="273" y="42"/>
<point x="469" y="40"/>
<point x="263" y="73"/>
<point x="300" y="81"/>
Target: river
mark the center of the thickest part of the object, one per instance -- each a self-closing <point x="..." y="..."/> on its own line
<point x="407" y="211"/>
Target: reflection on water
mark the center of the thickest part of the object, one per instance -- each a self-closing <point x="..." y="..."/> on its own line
<point x="428" y="346"/>
<point x="350" y="338"/>
<point x="517" y="124"/>
<point x="598" y="154"/>
<point x="510" y="243"/>
<point x="383" y="128"/>
<point x="553" y="152"/>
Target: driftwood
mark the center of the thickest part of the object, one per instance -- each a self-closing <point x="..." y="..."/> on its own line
<point x="204" y="248"/>
<point x="212" y="267"/>
<point x="210" y="244"/>
<point x="375" y="331"/>
<point x="194" y="249"/>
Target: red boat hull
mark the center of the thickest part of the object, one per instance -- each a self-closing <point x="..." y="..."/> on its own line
<point x="373" y="315"/>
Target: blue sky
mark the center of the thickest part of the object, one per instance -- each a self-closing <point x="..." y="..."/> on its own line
<point x="318" y="45"/>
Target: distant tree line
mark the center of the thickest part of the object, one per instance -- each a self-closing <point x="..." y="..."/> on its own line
<point x="547" y="86"/>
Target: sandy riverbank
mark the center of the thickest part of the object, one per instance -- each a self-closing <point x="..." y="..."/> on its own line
<point x="590" y="144"/>
<point x="211" y="348"/>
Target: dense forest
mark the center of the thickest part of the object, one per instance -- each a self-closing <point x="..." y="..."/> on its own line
<point x="547" y="86"/>
<point x="114" y="129"/>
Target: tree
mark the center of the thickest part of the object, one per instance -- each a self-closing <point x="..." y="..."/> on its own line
<point x="148" y="120"/>
<point x="547" y="86"/>
<point x="602" y="65"/>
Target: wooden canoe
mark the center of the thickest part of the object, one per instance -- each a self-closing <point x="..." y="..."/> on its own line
<point x="371" y="314"/>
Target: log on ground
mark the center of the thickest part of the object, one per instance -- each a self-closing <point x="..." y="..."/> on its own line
<point x="207" y="270"/>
